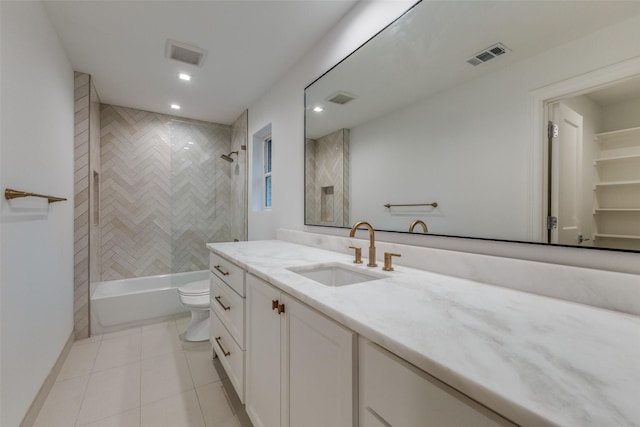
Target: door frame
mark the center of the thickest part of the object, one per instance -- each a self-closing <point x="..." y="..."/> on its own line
<point x="539" y="101"/>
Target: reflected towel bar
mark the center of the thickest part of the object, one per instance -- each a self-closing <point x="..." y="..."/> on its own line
<point x="434" y="204"/>
<point x="15" y="194"/>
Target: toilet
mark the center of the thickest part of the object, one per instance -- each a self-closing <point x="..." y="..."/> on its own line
<point x="195" y="297"/>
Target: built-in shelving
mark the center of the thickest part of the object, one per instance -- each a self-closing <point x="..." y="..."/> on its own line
<point x="598" y="162"/>
<point x="598" y="210"/>
<point x="616" y="210"/>
<point x="617" y="236"/>
<point x="626" y="134"/>
<point x="617" y="183"/>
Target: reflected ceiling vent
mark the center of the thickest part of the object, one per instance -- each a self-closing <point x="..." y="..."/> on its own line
<point x="186" y="53"/>
<point x="341" y="98"/>
<point x="488" y="54"/>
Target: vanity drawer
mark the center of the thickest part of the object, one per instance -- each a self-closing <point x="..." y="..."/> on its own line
<point x="230" y="354"/>
<point x="229" y="306"/>
<point x="394" y="392"/>
<point x="230" y="273"/>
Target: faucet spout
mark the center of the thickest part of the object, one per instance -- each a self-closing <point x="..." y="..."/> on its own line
<point x="372" y="245"/>
<point x="416" y="222"/>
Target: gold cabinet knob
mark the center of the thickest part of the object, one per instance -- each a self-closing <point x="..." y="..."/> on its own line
<point x="387" y="261"/>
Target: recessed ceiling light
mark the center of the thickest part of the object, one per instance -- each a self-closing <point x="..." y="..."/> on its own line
<point x="318" y="109"/>
<point x="184" y="76"/>
<point x="186" y="148"/>
<point x="175" y="106"/>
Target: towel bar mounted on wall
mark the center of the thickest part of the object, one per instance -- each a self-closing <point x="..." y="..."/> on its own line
<point x="434" y="204"/>
<point x="15" y="194"/>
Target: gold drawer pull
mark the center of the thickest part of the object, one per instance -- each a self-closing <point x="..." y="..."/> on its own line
<point x="274" y="304"/>
<point x="224" y="273"/>
<point x="226" y="308"/>
<point x="226" y="353"/>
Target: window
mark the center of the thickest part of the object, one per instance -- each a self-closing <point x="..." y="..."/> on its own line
<point x="267" y="172"/>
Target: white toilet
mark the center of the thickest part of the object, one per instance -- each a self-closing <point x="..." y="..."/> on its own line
<point x="195" y="296"/>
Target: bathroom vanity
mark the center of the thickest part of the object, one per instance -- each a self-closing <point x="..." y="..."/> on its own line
<point x="406" y="346"/>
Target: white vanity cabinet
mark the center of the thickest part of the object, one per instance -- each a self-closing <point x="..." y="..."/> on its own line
<point x="300" y="364"/>
<point x="396" y="393"/>
<point x="227" y="318"/>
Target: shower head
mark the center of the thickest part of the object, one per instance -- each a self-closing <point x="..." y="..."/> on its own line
<point x="228" y="157"/>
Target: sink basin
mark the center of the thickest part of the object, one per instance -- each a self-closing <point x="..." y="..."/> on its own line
<point x="336" y="274"/>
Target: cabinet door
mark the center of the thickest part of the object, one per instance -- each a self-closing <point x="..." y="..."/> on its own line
<point x="395" y="393"/>
<point x="263" y="354"/>
<point x="321" y="369"/>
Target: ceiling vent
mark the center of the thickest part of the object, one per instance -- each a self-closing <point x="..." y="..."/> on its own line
<point x="341" y="98"/>
<point x="488" y="54"/>
<point x="185" y="53"/>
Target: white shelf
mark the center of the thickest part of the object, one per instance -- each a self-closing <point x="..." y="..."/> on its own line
<point x="617" y="158"/>
<point x="600" y="210"/>
<point x="617" y="134"/>
<point x="617" y="236"/>
<point x="617" y="183"/>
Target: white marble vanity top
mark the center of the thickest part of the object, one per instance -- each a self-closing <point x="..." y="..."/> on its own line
<point x="535" y="360"/>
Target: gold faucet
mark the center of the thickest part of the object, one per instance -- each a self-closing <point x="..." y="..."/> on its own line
<point x="372" y="246"/>
<point x="416" y="222"/>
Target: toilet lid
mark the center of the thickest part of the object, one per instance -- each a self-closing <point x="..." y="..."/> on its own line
<point x="200" y="287"/>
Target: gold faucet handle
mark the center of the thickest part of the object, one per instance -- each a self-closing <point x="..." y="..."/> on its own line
<point x="358" y="259"/>
<point x="387" y="261"/>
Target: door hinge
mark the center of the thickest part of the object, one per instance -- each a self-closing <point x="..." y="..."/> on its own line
<point x="552" y="222"/>
<point x="552" y="130"/>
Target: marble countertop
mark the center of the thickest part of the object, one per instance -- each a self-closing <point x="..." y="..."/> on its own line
<point x="535" y="360"/>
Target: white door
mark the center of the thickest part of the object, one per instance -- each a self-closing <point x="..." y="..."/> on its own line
<point x="321" y="369"/>
<point x="263" y="354"/>
<point x="566" y="181"/>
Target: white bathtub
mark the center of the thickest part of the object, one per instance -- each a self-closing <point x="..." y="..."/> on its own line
<point x="121" y="304"/>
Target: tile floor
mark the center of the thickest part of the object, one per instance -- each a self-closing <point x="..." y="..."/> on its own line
<point x="142" y="377"/>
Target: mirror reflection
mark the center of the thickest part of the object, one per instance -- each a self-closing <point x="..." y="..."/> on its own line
<point x="432" y="121"/>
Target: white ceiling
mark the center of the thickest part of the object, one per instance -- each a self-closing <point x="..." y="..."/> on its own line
<point x="617" y="93"/>
<point x="425" y="52"/>
<point x="250" y="44"/>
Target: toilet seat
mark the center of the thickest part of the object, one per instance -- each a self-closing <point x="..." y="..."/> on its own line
<point x="198" y="288"/>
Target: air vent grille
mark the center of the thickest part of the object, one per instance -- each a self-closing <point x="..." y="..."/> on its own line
<point x="341" y="98"/>
<point x="488" y="54"/>
<point x="185" y="53"/>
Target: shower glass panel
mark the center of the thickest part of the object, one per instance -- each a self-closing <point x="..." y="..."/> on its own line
<point x="201" y="192"/>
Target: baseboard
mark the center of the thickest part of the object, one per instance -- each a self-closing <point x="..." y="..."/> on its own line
<point x="31" y="415"/>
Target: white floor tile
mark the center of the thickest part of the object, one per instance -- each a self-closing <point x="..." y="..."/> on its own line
<point x="80" y="360"/>
<point x="164" y="376"/>
<point x="126" y="419"/>
<point x="92" y="338"/>
<point x="201" y="365"/>
<point x="122" y="333"/>
<point x="215" y="406"/>
<point x="111" y="392"/>
<point x="164" y="324"/>
<point x="117" y="352"/>
<point x="63" y="403"/>
<point x="161" y="340"/>
<point x="182" y="410"/>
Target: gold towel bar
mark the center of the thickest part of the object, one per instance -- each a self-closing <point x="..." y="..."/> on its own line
<point x="15" y="194"/>
<point x="434" y="204"/>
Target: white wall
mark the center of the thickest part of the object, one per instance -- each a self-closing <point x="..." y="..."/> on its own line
<point x="622" y="115"/>
<point x="283" y="107"/>
<point x="36" y="315"/>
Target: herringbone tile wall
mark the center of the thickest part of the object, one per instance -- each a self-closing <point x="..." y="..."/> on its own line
<point x="327" y="165"/>
<point x="239" y="136"/>
<point x="82" y="84"/>
<point x="165" y="192"/>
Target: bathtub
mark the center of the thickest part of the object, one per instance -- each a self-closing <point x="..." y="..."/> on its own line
<point x="121" y="304"/>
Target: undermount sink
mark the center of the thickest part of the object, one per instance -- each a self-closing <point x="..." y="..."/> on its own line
<point x="336" y="274"/>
